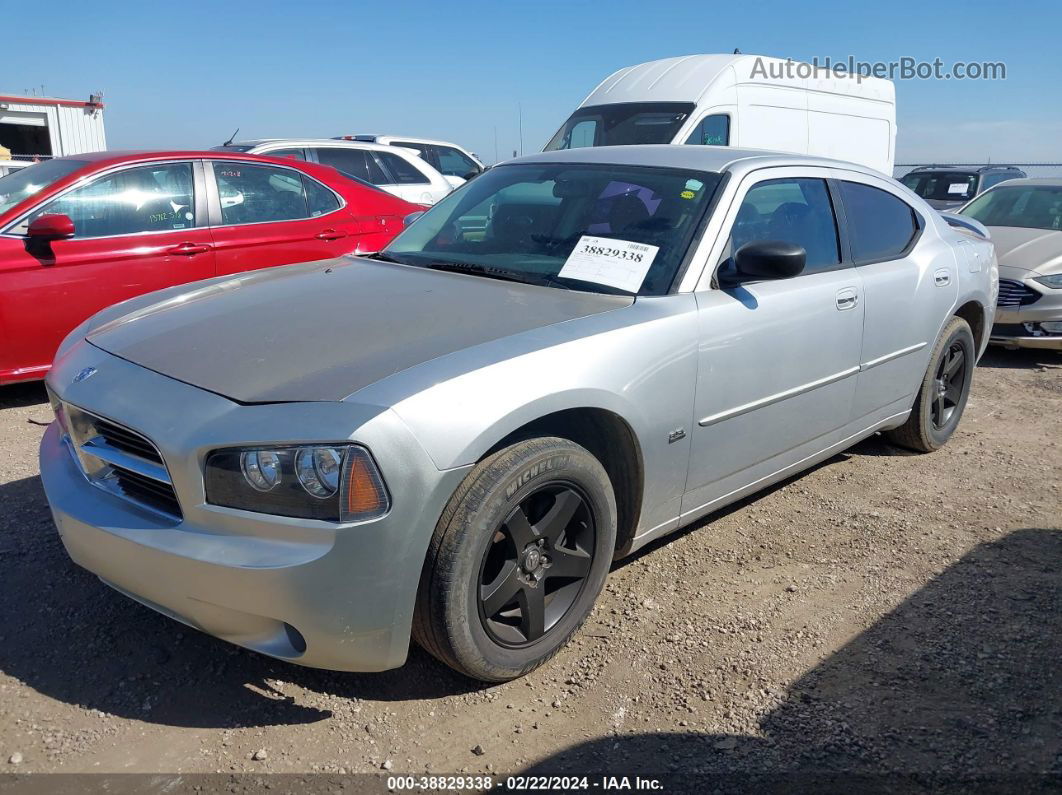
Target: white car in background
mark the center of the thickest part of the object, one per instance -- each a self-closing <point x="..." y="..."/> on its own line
<point x="455" y="163"/>
<point x="394" y="169"/>
<point x="11" y="166"/>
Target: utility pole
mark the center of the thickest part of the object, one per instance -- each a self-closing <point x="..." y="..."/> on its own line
<point x="520" y="121"/>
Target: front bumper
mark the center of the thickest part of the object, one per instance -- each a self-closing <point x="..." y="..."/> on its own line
<point x="1019" y="326"/>
<point x="1017" y="335"/>
<point x="316" y="593"/>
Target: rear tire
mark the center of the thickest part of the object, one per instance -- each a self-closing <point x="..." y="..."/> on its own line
<point x="517" y="559"/>
<point x="942" y="396"/>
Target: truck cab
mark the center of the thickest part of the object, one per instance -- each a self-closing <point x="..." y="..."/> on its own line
<point x="749" y="101"/>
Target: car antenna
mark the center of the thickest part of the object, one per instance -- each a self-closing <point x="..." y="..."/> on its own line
<point x="231" y="137"/>
<point x="737" y="51"/>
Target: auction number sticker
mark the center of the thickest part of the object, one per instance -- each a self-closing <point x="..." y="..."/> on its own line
<point x="615" y="263"/>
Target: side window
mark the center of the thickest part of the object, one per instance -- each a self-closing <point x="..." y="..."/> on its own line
<point x="156" y="198"/>
<point x="713" y="130"/>
<point x="881" y="226"/>
<point x="253" y="194"/>
<point x="319" y="199"/>
<point x="582" y="134"/>
<point x="405" y="173"/>
<point x="796" y="210"/>
<point x="357" y="162"/>
<point x="294" y="154"/>
<point x="454" y="163"/>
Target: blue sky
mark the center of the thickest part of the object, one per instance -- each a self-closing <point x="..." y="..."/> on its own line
<point x="188" y="73"/>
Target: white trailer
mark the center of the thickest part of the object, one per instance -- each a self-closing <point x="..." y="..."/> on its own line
<point x="750" y="101"/>
<point x="41" y="127"/>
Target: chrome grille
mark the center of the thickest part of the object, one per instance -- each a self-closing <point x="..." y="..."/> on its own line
<point x="121" y="461"/>
<point x="1013" y="294"/>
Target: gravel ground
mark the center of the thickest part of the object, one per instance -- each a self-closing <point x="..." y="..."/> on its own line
<point x="882" y="615"/>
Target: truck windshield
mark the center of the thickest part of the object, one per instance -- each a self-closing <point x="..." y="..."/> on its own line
<point x="27" y="181"/>
<point x="598" y="228"/>
<point x="622" y="123"/>
<point x="954" y="186"/>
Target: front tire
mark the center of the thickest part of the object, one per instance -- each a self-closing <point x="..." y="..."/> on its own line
<point x="517" y="559"/>
<point x="942" y="396"/>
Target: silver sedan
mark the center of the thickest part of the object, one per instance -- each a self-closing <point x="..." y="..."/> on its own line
<point x="572" y="355"/>
<point x="1024" y="217"/>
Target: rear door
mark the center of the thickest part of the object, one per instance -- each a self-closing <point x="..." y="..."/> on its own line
<point x="266" y="215"/>
<point x="410" y="182"/>
<point x="910" y="282"/>
<point x="778" y="358"/>
<point x="137" y="229"/>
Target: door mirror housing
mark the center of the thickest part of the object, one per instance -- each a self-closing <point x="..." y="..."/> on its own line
<point x="769" y="259"/>
<point x="407" y="220"/>
<point x="51" y="227"/>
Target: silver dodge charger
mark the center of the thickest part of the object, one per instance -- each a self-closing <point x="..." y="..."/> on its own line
<point x="572" y="355"/>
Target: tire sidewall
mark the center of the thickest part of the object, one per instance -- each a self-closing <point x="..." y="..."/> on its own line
<point x="566" y="462"/>
<point x="960" y="332"/>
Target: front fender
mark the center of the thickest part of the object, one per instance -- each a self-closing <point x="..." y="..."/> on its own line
<point x="639" y="363"/>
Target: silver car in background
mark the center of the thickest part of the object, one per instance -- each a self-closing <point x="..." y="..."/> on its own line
<point x="1024" y="218"/>
<point x="453" y="440"/>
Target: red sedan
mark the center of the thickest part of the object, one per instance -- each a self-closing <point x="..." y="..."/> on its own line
<point x="80" y="233"/>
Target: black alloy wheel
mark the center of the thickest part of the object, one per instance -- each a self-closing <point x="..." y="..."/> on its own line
<point x="949" y="385"/>
<point x="536" y="564"/>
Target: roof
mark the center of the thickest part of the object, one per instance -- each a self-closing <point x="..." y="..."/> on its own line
<point x="688" y="77"/>
<point x="701" y="158"/>
<point x="964" y="169"/>
<point x="30" y="100"/>
<point x="314" y="142"/>
<point x="1049" y="182"/>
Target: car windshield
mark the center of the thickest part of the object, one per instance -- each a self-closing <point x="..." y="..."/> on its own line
<point x="622" y="123"/>
<point x="25" y="182"/>
<point x="942" y="185"/>
<point x="599" y="228"/>
<point x="1029" y="206"/>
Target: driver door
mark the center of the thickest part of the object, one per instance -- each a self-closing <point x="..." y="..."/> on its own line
<point x="777" y="358"/>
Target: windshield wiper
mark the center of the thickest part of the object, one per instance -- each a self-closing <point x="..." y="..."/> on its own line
<point x="387" y="258"/>
<point x="502" y="274"/>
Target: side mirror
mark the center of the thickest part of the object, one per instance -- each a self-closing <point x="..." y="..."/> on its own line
<point x="769" y="259"/>
<point x="51" y="227"/>
<point x="409" y="219"/>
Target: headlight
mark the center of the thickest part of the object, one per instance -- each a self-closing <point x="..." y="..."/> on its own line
<point x="335" y="483"/>
<point x="1053" y="281"/>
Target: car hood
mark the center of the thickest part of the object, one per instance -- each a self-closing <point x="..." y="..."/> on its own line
<point x="321" y="331"/>
<point x="1037" y="250"/>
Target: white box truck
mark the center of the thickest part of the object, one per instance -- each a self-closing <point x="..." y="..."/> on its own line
<point x="748" y="101"/>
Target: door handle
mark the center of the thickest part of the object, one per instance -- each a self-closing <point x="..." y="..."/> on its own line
<point x="847" y="299"/>
<point x="188" y="249"/>
<point x="330" y="234"/>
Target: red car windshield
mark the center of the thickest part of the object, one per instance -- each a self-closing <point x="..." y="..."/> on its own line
<point x="31" y="180"/>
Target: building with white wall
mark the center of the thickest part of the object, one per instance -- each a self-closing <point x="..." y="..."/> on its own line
<point x="41" y="127"/>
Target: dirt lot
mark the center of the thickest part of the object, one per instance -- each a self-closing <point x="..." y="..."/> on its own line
<point x="882" y="614"/>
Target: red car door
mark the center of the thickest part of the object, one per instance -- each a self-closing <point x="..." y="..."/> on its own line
<point x="135" y="231"/>
<point x="269" y="215"/>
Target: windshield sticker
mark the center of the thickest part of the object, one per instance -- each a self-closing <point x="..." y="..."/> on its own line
<point x="615" y="263"/>
<point x="694" y="184"/>
<point x="958" y="187"/>
<point x="687" y="194"/>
